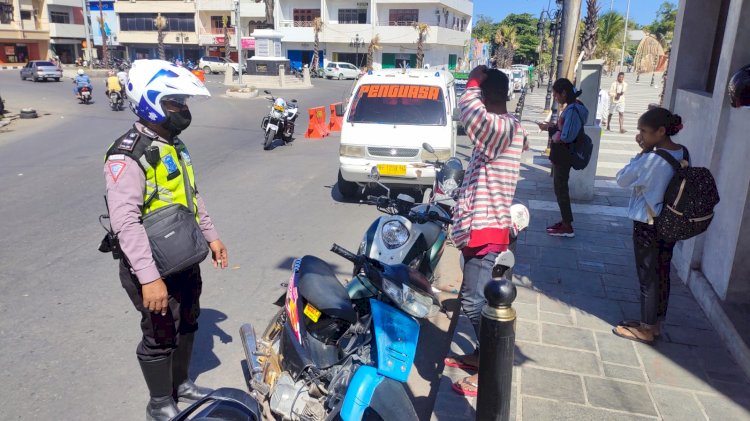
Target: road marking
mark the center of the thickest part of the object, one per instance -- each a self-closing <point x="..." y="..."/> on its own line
<point x="617" y="211"/>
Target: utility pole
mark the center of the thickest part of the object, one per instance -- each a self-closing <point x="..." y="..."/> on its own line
<point x="624" y="37"/>
<point x="238" y="35"/>
<point x="88" y="31"/>
<point x="570" y="21"/>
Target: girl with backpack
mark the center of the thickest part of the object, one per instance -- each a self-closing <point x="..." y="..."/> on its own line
<point x="649" y="176"/>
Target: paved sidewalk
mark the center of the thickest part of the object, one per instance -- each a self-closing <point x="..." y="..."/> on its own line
<point x="568" y="364"/>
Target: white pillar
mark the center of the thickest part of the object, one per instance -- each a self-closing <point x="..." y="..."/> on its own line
<point x="589" y="76"/>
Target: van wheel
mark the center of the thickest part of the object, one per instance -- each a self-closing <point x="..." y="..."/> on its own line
<point x="206" y="70"/>
<point x="341" y="76"/>
<point x="348" y="189"/>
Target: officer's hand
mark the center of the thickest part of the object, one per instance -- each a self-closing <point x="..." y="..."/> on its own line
<point x="219" y="254"/>
<point x="155" y="297"/>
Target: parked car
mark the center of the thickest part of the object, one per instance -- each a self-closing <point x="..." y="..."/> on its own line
<point x="211" y="64"/>
<point x="37" y="70"/>
<point x="520" y="79"/>
<point x="509" y="73"/>
<point x="340" y="70"/>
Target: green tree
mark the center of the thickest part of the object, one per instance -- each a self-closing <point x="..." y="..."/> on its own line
<point x="527" y="38"/>
<point x="590" y="28"/>
<point x="663" y="26"/>
<point x="484" y="29"/>
<point x="609" y="37"/>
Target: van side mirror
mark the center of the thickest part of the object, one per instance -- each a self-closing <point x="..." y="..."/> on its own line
<point x="339" y="109"/>
<point x="456" y="114"/>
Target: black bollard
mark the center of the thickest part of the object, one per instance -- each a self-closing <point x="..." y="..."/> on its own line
<point x="497" y="337"/>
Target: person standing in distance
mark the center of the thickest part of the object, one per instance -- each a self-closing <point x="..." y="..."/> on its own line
<point x="617" y="97"/>
<point x="169" y="306"/>
<point x="482" y="219"/>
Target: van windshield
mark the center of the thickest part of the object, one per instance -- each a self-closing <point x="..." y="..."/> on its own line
<point x="417" y="105"/>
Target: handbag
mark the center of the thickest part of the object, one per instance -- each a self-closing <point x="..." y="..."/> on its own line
<point x="174" y="235"/>
<point x="576" y="154"/>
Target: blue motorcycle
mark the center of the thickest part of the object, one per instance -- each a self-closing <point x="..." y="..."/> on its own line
<point x="340" y="353"/>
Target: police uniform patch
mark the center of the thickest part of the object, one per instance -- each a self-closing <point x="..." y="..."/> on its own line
<point x="116" y="168"/>
<point x="116" y="157"/>
<point x="170" y="164"/>
<point x="186" y="157"/>
<point x="128" y="143"/>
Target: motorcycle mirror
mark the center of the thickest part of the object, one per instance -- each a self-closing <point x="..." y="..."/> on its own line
<point x="266" y="92"/>
<point x="426" y="146"/>
<point x="456" y="114"/>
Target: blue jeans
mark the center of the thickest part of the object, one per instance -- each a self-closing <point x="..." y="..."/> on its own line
<point x="477" y="274"/>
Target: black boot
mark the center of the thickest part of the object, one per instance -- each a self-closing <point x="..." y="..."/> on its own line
<point x="158" y="375"/>
<point x="183" y="388"/>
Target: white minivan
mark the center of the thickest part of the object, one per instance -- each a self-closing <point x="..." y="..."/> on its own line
<point x="388" y="117"/>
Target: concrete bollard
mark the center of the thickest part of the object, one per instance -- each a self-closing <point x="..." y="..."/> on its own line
<point x="497" y="339"/>
<point x="581" y="182"/>
<point x="306" y="75"/>
<point x="281" y="76"/>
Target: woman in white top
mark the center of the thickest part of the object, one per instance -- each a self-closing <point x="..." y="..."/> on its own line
<point x="649" y="175"/>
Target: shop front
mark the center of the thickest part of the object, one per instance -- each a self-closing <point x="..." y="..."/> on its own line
<point x="214" y="47"/>
<point x="67" y="50"/>
<point x="15" y="52"/>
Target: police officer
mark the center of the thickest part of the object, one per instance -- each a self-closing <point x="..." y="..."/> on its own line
<point x="168" y="305"/>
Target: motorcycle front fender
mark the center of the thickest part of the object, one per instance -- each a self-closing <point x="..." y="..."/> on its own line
<point x="384" y="396"/>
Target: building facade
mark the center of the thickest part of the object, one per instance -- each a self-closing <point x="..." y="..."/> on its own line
<point x="349" y="25"/>
<point x="66" y="28"/>
<point x="24" y="31"/>
<point x="710" y="44"/>
<point x="212" y="15"/>
<point x="138" y="34"/>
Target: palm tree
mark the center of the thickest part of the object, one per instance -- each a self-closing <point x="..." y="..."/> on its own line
<point x="105" y="52"/>
<point x="374" y="46"/>
<point x="269" y="11"/>
<point x="317" y="26"/>
<point x="160" y="23"/>
<point x="506" y="41"/>
<point x="609" y="36"/>
<point x="588" y="40"/>
<point x="225" y="25"/>
<point x="422" y="30"/>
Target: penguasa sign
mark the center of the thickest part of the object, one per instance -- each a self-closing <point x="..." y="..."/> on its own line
<point x="399" y="91"/>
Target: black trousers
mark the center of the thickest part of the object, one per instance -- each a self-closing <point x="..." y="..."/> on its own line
<point x="653" y="259"/>
<point x="560" y="177"/>
<point x="161" y="334"/>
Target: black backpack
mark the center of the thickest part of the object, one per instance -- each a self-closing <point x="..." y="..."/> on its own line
<point x="689" y="200"/>
<point x="582" y="148"/>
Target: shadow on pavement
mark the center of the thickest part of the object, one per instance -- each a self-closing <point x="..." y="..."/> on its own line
<point x="204" y="358"/>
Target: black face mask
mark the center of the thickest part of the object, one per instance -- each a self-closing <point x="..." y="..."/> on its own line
<point x="177" y="121"/>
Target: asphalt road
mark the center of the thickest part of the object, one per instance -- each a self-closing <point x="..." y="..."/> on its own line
<point x="68" y="331"/>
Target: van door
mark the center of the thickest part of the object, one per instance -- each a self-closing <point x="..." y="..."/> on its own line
<point x="451" y="100"/>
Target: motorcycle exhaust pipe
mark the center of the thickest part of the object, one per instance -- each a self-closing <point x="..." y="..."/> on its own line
<point x="250" y="345"/>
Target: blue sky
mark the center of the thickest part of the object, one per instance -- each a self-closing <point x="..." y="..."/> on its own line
<point x="641" y="11"/>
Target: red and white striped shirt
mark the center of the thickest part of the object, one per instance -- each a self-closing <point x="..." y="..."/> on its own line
<point x="482" y="214"/>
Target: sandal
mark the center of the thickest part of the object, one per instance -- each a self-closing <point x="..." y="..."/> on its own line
<point x="634" y="334"/>
<point x="636" y="323"/>
<point x="461" y="387"/>
<point x="458" y="362"/>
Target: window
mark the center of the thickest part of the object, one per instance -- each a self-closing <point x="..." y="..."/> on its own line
<point x="416" y="105"/>
<point x="352" y="15"/>
<point x="25" y="15"/>
<point x="6" y="13"/>
<point x="217" y="24"/>
<point x="305" y="17"/>
<point x="59" y="17"/>
<point x="176" y="22"/>
<point x="403" y="17"/>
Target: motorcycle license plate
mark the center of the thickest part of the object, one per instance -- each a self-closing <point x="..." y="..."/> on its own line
<point x="392" y="170"/>
<point x="273" y="127"/>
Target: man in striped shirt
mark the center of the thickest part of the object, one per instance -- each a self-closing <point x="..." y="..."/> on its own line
<point x="482" y="221"/>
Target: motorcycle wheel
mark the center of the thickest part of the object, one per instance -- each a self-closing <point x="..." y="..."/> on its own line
<point x="269" y="140"/>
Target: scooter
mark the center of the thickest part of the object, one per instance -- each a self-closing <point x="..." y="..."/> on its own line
<point x="412" y="234"/>
<point x="84" y="94"/>
<point x="336" y="353"/>
<point x="115" y="101"/>
<point x="280" y="120"/>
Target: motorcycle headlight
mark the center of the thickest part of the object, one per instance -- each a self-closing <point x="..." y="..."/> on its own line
<point x="276" y="113"/>
<point x="409" y="300"/>
<point x="352" y="151"/>
<point x="449" y="186"/>
<point x="394" y="234"/>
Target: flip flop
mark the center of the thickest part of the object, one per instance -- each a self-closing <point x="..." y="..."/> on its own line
<point x="458" y="362"/>
<point x="627" y="332"/>
<point x="459" y="388"/>
<point x="635" y="323"/>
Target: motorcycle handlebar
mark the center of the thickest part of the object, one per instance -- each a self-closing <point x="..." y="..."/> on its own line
<point x="346" y="254"/>
<point x="434" y="215"/>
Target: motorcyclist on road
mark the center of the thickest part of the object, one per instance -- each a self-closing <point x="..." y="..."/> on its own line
<point x="113" y="83"/>
<point x="80" y="81"/>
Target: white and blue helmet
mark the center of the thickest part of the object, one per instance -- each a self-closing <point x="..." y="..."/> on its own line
<point x="151" y="81"/>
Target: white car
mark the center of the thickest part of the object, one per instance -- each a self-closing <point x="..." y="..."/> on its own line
<point x="520" y="79"/>
<point x="211" y="64"/>
<point x="389" y="115"/>
<point x="509" y="73"/>
<point x="340" y="70"/>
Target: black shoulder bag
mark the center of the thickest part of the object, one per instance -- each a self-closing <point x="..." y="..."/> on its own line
<point x="176" y="240"/>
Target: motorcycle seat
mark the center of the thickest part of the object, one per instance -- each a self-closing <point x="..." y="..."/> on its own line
<point x="320" y="287"/>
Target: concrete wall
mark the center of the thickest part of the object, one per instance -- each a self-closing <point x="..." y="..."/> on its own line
<point x="716" y="136"/>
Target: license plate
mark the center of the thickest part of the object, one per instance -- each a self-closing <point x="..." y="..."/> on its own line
<point x="392" y="169"/>
<point x="273" y="127"/>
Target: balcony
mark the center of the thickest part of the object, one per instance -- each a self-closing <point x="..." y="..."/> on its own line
<point x="155" y="6"/>
<point x="66" y="30"/>
<point x="436" y="34"/>
<point x="462" y="6"/>
<point x="343" y="33"/>
<point x="69" y="3"/>
<point x="248" y="8"/>
<point x="150" y="37"/>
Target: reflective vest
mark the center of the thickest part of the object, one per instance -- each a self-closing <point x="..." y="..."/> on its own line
<point x="165" y="166"/>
